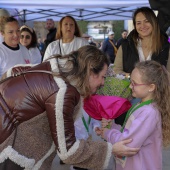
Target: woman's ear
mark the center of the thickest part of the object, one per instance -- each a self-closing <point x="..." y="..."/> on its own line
<point x="152" y="87"/>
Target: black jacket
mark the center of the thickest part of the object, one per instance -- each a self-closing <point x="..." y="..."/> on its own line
<point x="130" y="54"/>
<point x="50" y="37"/>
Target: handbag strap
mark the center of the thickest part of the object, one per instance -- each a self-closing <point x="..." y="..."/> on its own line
<point x="115" y="49"/>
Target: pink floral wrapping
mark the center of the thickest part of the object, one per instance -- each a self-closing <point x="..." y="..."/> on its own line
<point x="108" y="107"/>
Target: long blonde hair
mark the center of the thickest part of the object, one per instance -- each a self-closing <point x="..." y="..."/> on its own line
<point x="154" y="73"/>
<point x="156" y="36"/>
<point x="4" y="21"/>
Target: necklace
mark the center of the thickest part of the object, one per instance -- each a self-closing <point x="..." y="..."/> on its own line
<point x="132" y="109"/>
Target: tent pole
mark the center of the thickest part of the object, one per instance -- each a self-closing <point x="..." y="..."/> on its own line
<point x="24" y="17"/>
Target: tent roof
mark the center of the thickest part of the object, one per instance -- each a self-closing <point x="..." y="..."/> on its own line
<point x="88" y="10"/>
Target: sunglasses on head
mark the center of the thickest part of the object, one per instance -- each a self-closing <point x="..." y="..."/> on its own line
<point x="26" y="37"/>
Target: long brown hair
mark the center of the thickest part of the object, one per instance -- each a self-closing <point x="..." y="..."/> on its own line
<point x="59" y="34"/>
<point x="79" y="66"/>
<point x="156" y="37"/>
<point x="154" y="73"/>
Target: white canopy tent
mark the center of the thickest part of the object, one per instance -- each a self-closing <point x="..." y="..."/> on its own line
<point x="88" y="10"/>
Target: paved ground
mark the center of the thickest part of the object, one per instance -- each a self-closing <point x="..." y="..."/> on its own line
<point x="166" y="163"/>
<point x="56" y="165"/>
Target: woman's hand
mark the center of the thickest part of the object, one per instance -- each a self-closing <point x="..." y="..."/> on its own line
<point x="98" y="131"/>
<point x="120" y="148"/>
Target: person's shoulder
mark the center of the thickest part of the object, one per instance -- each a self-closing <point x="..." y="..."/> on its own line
<point x="81" y="40"/>
<point x="126" y="42"/>
<point x="2" y="51"/>
<point x="123" y="41"/>
<point x="23" y="47"/>
<point x="150" y="110"/>
<point x="105" y="41"/>
<point x="34" y="49"/>
<point x="120" y="39"/>
<point x="2" y="45"/>
<point x="55" y="29"/>
<point x="53" y="44"/>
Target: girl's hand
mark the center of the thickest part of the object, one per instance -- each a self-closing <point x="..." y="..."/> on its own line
<point x="103" y="131"/>
<point x="106" y="123"/>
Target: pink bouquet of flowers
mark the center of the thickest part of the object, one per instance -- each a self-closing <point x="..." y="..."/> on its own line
<point x="108" y="107"/>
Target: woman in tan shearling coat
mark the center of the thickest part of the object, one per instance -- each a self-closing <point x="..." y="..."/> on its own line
<point x="58" y="87"/>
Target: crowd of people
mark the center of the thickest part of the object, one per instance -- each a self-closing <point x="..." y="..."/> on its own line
<point x="44" y="84"/>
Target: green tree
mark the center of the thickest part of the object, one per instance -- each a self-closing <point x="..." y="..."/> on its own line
<point x="83" y="26"/>
<point x="118" y="26"/>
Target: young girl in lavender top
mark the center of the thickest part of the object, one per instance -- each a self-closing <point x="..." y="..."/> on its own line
<point x="148" y="122"/>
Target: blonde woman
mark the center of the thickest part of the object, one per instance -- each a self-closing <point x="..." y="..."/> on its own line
<point x="3" y="13"/>
<point x="11" y="52"/>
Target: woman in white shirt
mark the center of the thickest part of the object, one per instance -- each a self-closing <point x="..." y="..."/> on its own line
<point x="3" y="13"/>
<point x="29" y="40"/>
<point x="11" y="52"/>
<point x="68" y="38"/>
